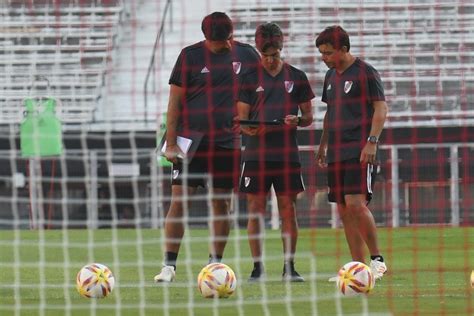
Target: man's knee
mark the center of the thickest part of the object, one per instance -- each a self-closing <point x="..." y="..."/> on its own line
<point x="221" y="206"/>
<point x="288" y="214"/>
<point x="355" y="203"/>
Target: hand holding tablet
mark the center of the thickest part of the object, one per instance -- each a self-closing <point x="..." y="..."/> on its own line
<point x="255" y="123"/>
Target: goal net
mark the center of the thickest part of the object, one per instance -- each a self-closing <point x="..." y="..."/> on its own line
<point x="83" y="101"/>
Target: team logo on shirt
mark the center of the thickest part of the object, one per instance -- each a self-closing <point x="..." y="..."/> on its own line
<point x="175" y="174"/>
<point x="205" y="70"/>
<point x="246" y="181"/>
<point x="236" y="65"/>
<point x="347" y="86"/>
<point x="289" y="86"/>
<point x="259" y="89"/>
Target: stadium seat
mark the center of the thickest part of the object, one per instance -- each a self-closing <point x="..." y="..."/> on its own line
<point x="420" y="59"/>
<point x="70" y="43"/>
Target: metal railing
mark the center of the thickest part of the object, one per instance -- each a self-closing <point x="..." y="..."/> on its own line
<point x="151" y="66"/>
<point x="441" y="194"/>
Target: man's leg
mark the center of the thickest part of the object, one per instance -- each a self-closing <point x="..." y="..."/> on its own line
<point x="223" y="164"/>
<point x="359" y="226"/>
<point x="174" y="226"/>
<point x="220" y="223"/>
<point x="289" y="225"/>
<point x="365" y="222"/>
<point x="289" y="235"/>
<point x="174" y="231"/>
<point x="351" y="230"/>
<point x="256" y="205"/>
<point x="255" y="225"/>
<point x="337" y="178"/>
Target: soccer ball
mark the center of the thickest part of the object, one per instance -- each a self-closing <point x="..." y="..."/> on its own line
<point x="355" y="278"/>
<point x="216" y="280"/>
<point x="95" y="280"/>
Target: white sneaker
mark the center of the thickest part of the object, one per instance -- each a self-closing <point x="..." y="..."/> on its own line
<point x="378" y="268"/>
<point x="167" y="274"/>
<point x="333" y="279"/>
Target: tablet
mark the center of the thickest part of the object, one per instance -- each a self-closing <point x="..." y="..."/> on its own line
<point x="257" y="123"/>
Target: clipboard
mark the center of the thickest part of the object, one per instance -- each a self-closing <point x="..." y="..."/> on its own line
<point x="183" y="143"/>
<point x="188" y="143"/>
<point x="252" y="123"/>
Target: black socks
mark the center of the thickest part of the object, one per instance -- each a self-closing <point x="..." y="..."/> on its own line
<point x="170" y="259"/>
<point x="377" y="258"/>
<point x="216" y="258"/>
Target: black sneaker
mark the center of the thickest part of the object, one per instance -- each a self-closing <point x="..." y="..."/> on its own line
<point x="290" y="274"/>
<point x="214" y="259"/>
<point x="257" y="275"/>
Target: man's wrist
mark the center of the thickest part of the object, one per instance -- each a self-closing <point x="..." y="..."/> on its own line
<point x="373" y="139"/>
<point x="298" y="122"/>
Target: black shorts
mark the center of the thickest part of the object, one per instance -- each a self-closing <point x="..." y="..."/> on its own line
<point x="222" y="164"/>
<point x="350" y="177"/>
<point x="258" y="177"/>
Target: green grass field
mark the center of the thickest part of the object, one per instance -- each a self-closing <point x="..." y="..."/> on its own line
<point x="429" y="272"/>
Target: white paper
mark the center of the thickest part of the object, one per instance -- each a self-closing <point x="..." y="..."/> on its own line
<point x="183" y="143"/>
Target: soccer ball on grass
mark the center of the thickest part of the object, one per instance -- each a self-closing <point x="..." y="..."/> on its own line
<point x="216" y="280"/>
<point x="355" y="278"/>
<point x="95" y="280"/>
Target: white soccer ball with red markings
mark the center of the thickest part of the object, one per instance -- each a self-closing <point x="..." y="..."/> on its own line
<point x="216" y="280"/>
<point x="355" y="278"/>
<point x="95" y="280"/>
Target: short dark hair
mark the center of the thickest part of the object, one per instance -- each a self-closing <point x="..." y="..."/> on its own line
<point x="268" y="35"/>
<point x="217" y="26"/>
<point x="334" y="35"/>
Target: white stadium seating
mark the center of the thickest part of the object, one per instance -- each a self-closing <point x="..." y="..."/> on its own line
<point x="68" y="42"/>
<point x="424" y="52"/>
